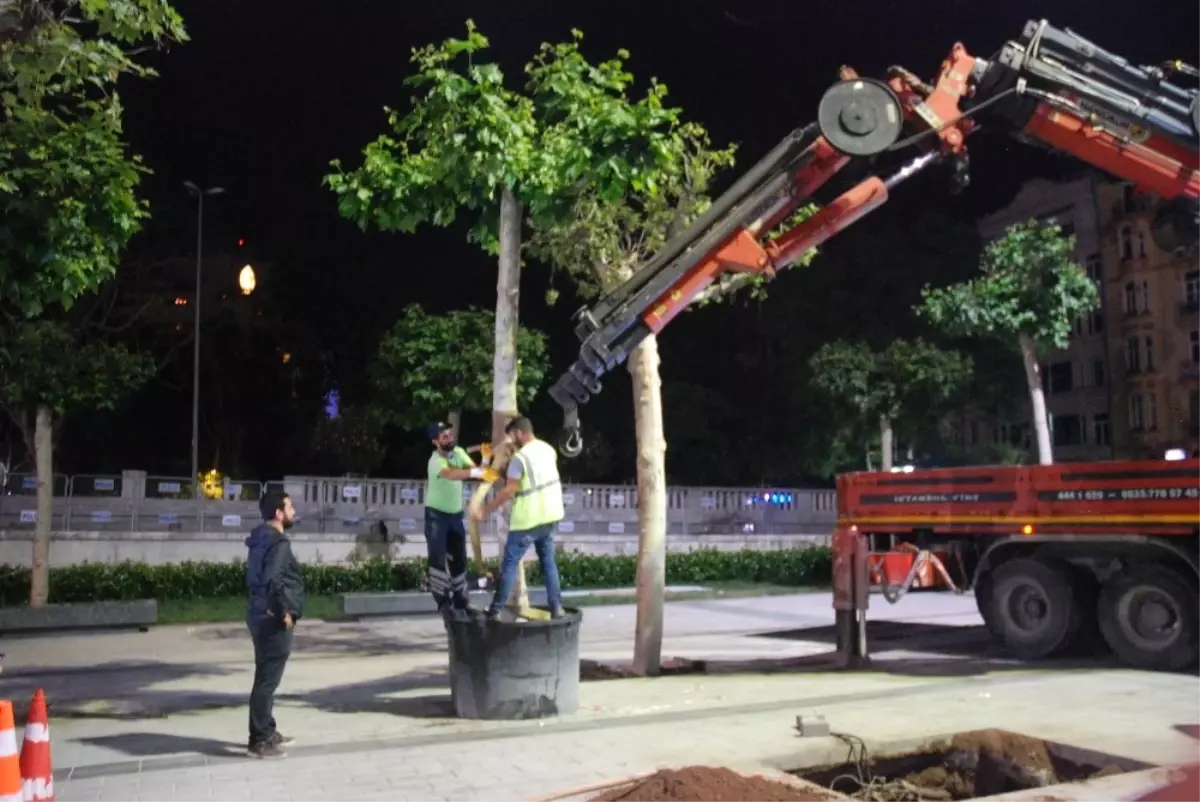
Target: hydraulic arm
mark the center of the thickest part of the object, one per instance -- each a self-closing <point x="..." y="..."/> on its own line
<point x="1051" y="87"/>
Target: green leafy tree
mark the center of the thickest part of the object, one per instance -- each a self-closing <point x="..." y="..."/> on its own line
<point x="67" y="182"/>
<point x="469" y="142"/>
<point x="1030" y="290"/>
<point x="430" y="366"/>
<point x="910" y="383"/>
<point x="599" y="246"/>
<point x="45" y="376"/>
<point x="352" y="442"/>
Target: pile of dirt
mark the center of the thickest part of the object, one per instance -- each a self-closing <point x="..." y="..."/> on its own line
<point x="988" y="762"/>
<point x="708" y="784"/>
<point x="590" y="670"/>
<point x="594" y="670"/>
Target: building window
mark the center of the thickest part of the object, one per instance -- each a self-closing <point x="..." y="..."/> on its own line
<point x="1126" y="243"/>
<point x="1194" y="342"/>
<point x="1145" y="296"/>
<point x="1133" y="355"/>
<point x="1098" y="373"/>
<point x="1152" y="410"/>
<point x="1059" y="378"/>
<point x="974" y="433"/>
<point x="1149" y="352"/>
<point x="1067" y="430"/>
<point x="1135" y="411"/>
<point x="1068" y="229"/>
<point x="1100" y="431"/>
<point x="1191" y="289"/>
<point x="1194" y="413"/>
<point x="1098" y="321"/>
<point x="1130" y="298"/>
<point x="1141" y="244"/>
<point x="1095" y="268"/>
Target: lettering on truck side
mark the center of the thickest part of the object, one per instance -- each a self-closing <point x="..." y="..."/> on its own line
<point x="1123" y="494"/>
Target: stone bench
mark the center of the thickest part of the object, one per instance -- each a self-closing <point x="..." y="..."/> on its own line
<point x="415" y="603"/>
<point x="141" y="613"/>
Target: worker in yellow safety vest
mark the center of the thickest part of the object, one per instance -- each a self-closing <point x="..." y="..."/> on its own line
<point x="534" y="488"/>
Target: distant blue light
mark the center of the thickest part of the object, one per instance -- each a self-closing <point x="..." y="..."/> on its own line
<point x="333" y="404"/>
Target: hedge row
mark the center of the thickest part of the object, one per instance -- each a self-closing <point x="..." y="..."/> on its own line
<point x="200" y="580"/>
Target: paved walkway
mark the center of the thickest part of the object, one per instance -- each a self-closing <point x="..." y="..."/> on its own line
<point x="369" y="705"/>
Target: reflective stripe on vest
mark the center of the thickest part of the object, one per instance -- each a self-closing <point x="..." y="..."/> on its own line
<point x="539" y="499"/>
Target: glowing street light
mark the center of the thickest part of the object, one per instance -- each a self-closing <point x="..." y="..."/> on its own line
<point x="247" y="280"/>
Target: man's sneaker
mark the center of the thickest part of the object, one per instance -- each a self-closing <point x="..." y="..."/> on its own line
<point x="279" y="739"/>
<point x="558" y="612"/>
<point x="266" y="750"/>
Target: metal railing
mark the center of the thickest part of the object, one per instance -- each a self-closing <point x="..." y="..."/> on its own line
<point x="135" y="502"/>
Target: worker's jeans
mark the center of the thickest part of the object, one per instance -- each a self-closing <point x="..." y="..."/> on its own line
<point x="515" y="547"/>
<point x="446" y="543"/>
<point x="272" y="647"/>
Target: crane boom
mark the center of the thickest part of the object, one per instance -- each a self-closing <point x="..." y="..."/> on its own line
<point x="1050" y="86"/>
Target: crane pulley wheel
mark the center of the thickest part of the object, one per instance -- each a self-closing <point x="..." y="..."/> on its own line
<point x="860" y="117"/>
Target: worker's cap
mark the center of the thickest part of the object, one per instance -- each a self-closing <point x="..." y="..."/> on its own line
<point x="436" y="429"/>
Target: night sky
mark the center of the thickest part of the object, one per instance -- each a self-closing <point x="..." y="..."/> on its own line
<point x="267" y="93"/>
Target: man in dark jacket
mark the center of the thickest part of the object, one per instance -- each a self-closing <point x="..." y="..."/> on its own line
<point x="276" y="603"/>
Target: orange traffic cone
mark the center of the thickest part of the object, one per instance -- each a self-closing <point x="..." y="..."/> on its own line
<point x="10" y="766"/>
<point x="35" y="753"/>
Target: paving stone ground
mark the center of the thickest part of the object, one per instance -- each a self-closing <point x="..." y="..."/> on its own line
<point x="369" y="705"/>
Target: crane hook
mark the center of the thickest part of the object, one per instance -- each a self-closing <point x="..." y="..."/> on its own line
<point x="571" y="442"/>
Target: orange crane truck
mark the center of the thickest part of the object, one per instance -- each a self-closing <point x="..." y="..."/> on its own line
<point x="1056" y="554"/>
<point x="1124" y="532"/>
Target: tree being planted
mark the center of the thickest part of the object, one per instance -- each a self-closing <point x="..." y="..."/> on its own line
<point x="1030" y="290"/>
<point x="469" y="143"/>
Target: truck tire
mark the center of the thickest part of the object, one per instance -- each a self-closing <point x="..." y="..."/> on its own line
<point x="1148" y="616"/>
<point x="1034" y="612"/>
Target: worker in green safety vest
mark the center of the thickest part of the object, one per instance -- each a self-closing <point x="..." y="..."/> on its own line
<point x="445" y="532"/>
<point x="534" y="488"/>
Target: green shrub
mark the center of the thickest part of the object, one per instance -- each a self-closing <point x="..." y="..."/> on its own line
<point x="199" y="580"/>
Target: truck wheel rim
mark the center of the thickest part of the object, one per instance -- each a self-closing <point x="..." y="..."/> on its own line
<point x="1028" y="608"/>
<point x="1149" y="617"/>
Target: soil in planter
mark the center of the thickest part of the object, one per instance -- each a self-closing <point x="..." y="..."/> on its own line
<point x="972" y="764"/>
<point x="708" y="784"/>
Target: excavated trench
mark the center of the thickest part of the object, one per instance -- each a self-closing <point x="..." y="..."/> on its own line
<point x="967" y="765"/>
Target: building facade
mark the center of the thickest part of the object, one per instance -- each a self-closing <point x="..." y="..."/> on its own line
<point x="1153" y="298"/>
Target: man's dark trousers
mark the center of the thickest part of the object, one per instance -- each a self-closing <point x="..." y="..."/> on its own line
<point x="272" y="647"/>
<point x="446" y="543"/>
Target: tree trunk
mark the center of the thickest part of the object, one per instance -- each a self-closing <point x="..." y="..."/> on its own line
<point x="652" y="507"/>
<point x="887" y="445"/>
<point x="43" y="456"/>
<point x="1037" y="396"/>
<point x="504" y="364"/>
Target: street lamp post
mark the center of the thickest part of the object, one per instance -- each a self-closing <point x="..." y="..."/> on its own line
<point x="199" y="195"/>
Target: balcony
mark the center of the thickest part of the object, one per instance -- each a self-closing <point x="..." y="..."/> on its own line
<point x="1189" y="370"/>
<point x="1133" y="205"/>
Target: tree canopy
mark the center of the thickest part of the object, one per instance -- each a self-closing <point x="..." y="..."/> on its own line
<point x="430" y="365"/>
<point x="44" y="364"/>
<point x="67" y="182"/>
<point x="467" y="135"/>
<point x="1028" y="284"/>
<point x="909" y="384"/>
